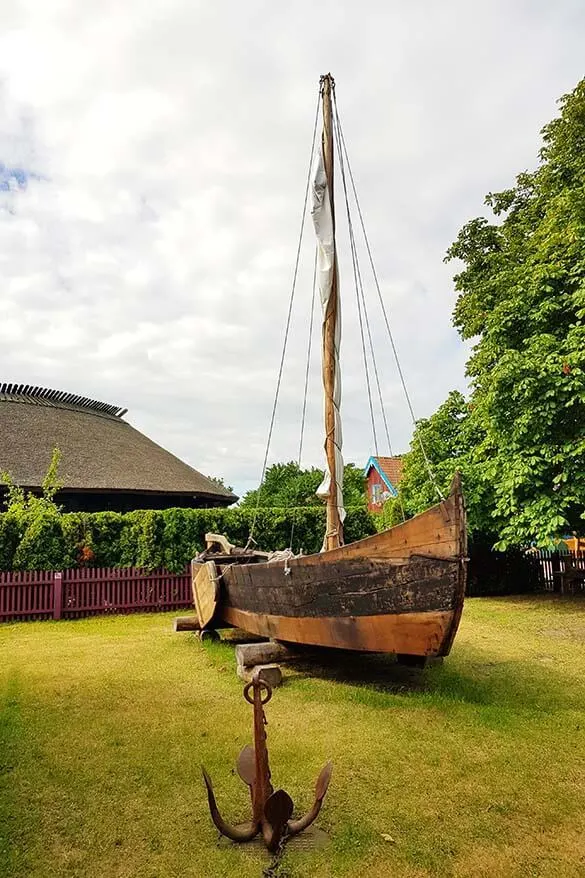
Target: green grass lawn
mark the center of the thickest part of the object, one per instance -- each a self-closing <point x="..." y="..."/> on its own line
<point x="474" y="768"/>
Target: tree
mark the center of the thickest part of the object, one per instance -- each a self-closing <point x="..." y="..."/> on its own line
<point x="217" y="480"/>
<point x="35" y="520"/>
<point x="451" y="439"/>
<point x="287" y="485"/>
<point x="20" y="502"/>
<point x="522" y="297"/>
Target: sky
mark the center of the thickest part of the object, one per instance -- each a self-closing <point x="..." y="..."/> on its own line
<point x="153" y="162"/>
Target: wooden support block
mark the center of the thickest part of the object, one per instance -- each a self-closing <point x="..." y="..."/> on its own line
<point x="186" y="623"/>
<point x="270" y="674"/>
<point x="249" y="654"/>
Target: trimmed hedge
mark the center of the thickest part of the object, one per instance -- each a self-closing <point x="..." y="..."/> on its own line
<point x="156" y="538"/>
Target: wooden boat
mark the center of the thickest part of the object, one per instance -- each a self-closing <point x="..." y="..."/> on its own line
<point x="400" y="591"/>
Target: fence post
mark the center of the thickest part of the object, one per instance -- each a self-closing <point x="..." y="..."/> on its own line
<point x="555" y="566"/>
<point x="57" y="595"/>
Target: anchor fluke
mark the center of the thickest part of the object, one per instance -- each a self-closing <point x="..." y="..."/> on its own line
<point x="246" y="765"/>
<point x="236" y="833"/>
<point x="296" y="826"/>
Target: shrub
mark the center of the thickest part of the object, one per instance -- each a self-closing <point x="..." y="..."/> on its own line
<point x="42" y="538"/>
<point x="10" y="536"/>
<point x="42" y="546"/>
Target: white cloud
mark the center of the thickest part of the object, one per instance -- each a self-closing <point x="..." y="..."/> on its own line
<point x="150" y="266"/>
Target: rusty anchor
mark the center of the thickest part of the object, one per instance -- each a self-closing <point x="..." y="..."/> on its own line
<point x="271" y="810"/>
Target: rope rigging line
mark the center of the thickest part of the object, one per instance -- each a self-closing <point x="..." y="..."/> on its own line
<point x="304" y="412"/>
<point x="427" y="462"/>
<point x="360" y="292"/>
<point x="357" y="283"/>
<point x="287" y="327"/>
<point x="379" y="389"/>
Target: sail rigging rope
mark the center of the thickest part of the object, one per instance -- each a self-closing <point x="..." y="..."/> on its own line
<point x="358" y="285"/>
<point x="427" y="462"/>
<point x="305" y="392"/>
<point x="361" y="295"/>
<point x="287" y="327"/>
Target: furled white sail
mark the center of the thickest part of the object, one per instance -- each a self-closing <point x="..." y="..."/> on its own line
<point x="326" y="271"/>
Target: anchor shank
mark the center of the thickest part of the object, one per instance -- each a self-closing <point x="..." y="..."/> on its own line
<point x="262" y="785"/>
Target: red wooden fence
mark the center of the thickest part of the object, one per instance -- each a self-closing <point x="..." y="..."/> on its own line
<point x="89" y="591"/>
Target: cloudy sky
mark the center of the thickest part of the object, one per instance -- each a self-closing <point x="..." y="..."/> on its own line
<point x="153" y="158"/>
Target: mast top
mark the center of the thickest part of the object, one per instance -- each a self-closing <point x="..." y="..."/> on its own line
<point x="327" y="83"/>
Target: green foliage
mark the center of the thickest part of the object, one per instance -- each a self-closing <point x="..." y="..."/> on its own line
<point x="51" y="483"/>
<point x="157" y="538"/>
<point x="77" y="539"/>
<point x="42" y="546"/>
<point x="217" y="480"/>
<point x="357" y="525"/>
<point x="520" y="442"/>
<point x="452" y="440"/>
<point x="36" y="521"/>
<point x="522" y="294"/>
<point x="10" y="535"/>
<point x="393" y="513"/>
<point x="25" y="504"/>
<point x="287" y="485"/>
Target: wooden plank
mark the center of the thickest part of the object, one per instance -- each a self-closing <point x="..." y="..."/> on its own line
<point x="250" y="654"/>
<point x="354" y="587"/>
<point x="206" y="591"/>
<point x="270" y="674"/>
<point x="186" y="623"/>
<point x="406" y="633"/>
<point x="439" y="531"/>
<point x="460" y="515"/>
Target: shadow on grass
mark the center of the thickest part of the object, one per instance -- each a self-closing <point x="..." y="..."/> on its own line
<point x="377" y="680"/>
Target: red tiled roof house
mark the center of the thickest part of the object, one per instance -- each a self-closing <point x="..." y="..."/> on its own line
<point x="382" y="476"/>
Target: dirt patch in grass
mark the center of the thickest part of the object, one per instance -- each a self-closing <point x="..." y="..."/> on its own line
<point x="565" y="633"/>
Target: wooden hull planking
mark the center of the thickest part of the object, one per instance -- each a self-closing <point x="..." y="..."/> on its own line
<point x="408" y="633"/>
<point x="399" y="591"/>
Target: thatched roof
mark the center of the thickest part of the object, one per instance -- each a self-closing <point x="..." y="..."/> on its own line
<point x="100" y="451"/>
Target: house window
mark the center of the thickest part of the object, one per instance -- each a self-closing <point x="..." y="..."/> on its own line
<point x="376" y="494"/>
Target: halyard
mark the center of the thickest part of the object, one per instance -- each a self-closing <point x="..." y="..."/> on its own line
<point x="475" y="768"/>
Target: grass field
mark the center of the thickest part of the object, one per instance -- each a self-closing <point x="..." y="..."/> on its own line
<point x="475" y="768"/>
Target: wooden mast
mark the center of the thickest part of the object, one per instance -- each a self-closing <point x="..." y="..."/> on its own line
<point x="334" y="532"/>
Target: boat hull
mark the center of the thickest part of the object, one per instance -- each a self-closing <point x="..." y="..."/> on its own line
<point x="400" y="591"/>
<point x="353" y="603"/>
<point x="421" y="634"/>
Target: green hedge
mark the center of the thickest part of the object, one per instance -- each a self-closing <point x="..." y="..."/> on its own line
<point x="152" y="538"/>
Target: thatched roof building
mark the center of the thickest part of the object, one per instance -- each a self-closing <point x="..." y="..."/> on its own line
<point x="105" y="464"/>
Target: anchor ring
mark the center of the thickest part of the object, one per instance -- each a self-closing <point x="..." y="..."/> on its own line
<point x="261" y="686"/>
